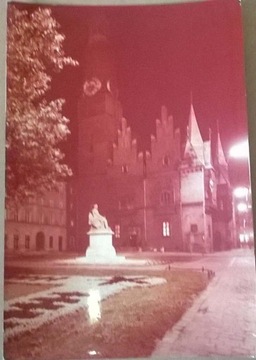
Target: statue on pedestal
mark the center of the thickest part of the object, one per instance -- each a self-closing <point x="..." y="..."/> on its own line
<point x="96" y="220"/>
<point x="100" y="249"/>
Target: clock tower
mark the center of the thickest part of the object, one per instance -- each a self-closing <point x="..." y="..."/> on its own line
<point x="99" y="110"/>
<point x="99" y="115"/>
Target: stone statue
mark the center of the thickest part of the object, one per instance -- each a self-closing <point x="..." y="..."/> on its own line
<point x="96" y="220"/>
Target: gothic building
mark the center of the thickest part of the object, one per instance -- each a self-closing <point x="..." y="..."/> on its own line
<point x="165" y="197"/>
<point x="173" y="196"/>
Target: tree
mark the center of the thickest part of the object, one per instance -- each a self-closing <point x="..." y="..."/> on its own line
<point x="35" y="127"/>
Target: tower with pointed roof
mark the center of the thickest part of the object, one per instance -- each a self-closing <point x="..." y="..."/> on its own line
<point x="223" y="218"/>
<point x="198" y="189"/>
<point x="99" y="115"/>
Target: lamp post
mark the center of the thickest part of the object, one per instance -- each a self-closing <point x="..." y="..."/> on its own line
<point x="240" y="150"/>
<point x="242" y="195"/>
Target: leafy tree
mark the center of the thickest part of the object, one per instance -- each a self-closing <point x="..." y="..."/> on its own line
<point x="35" y="127"/>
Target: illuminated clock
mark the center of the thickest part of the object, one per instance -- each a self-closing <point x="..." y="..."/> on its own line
<point x="111" y="87"/>
<point x="92" y="86"/>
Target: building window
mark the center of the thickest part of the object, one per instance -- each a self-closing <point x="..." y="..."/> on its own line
<point x="221" y="205"/>
<point x="21" y="215"/>
<point x="63" y="219"/>
<point x="26" y="216"/>
<point x="27" y="241"/>
<point x="209" y="231"/>
<point x="126" y="203"/>
<point x="193" y="228"/>
<point x="15" y="215"/>
<point x="51" y="242"/>
<point x="117" y="231"/>
<point x="30" y="200"/>
<point x="166" y="160"/>
<point x="72" y="223"/>
<point x="42" y="219"/>
<point x="125" y="169"/>
<point x="166" y="198"/>
<point x="60" y="243"/>
<point x="61" y="187"/>
<point x="166" y="228"/>
<point x="16" y="242"/>
<point x="72" y="242"/>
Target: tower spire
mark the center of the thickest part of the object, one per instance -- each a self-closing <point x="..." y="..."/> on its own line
<point x="194" y="132"/>
<point x="194" y="138"/>
<point x="221" y="162"/>
<point x="220" y="156"/>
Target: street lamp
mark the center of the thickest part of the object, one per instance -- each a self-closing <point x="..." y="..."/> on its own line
<point x="242" y="195"/>
<point x="240" y="150"/>
<point x="242" y="207"/>
<point x="241" y="192"/>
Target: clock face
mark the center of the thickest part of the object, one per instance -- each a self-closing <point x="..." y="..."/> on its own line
<point x="111" y="87"/>
<point x="92" y="86"/>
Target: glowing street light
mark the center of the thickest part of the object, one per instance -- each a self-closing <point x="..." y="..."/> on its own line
<point x="241" y="192"/>
<point x="240" y="151"/>
<point x="242" y="207"/>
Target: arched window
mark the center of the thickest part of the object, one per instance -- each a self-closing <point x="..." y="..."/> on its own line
<point x="166" y="228"/>
<point x="16" y="241"/>
<point x="117" y="231"/>
<point x="27" y="242"/>
<point x="51" y="242"/>
<point x="124" y="169"/>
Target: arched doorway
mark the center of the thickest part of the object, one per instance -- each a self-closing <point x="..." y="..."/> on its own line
<point x="40" y="241"/>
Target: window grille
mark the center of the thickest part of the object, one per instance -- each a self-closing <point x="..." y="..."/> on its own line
<point x="166" y="229"/>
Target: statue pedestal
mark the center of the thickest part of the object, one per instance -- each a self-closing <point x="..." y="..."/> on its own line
<point x="100" y="249"/>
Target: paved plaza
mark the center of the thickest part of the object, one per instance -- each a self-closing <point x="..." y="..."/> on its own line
<point x="222" y="321"/>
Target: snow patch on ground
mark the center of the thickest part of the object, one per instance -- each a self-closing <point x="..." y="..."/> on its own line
<point x="68" y="295"/>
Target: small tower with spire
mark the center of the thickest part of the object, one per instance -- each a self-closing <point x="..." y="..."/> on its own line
<point x="223" y="226"/>
<point x="197" y="189"/>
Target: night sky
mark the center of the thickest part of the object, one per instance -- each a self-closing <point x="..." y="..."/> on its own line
<point x="164" y="54"/>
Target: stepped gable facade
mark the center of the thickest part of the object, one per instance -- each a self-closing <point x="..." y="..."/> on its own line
<point x="160" y="198"/>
